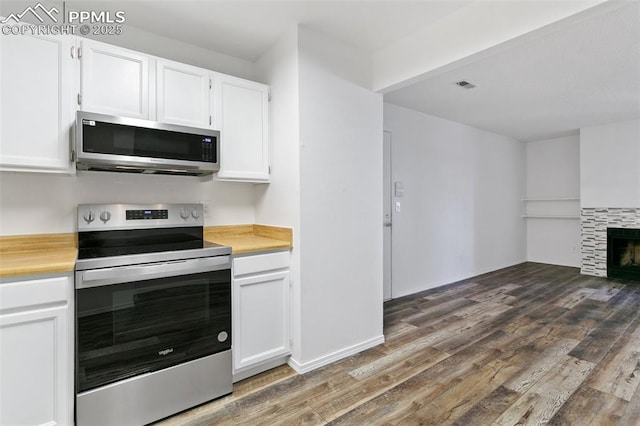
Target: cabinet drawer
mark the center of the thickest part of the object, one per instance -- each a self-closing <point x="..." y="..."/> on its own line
<point x="22" y="294"/>
<point x="260" y="263"/>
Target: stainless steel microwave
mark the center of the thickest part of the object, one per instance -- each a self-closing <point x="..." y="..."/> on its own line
<point x="120" y="144"/>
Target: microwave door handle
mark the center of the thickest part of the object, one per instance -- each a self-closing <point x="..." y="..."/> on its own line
<point x="108" y="276"/>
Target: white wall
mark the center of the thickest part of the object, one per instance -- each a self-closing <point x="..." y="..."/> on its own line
<point x="553" y="167"/>
<point x="460" y="213"/>
<point x="326" y="177"/>
<point x="610" y="165"/>
<point x="279" y="202"/>
<point x="33" y="203"/>
<point x="553" y="171"/>
<point x="340" y="202"/>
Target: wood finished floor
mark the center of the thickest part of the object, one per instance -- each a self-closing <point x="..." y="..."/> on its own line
<point x="529" y="344"/>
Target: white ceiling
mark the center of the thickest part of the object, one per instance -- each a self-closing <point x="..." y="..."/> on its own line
<point x="584" y="74"/>
<point x="246" y="29"/>
<point x="565" y="78"/>
<point x="579" y="75"/>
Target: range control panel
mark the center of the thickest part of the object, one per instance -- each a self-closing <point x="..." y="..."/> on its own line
<point x="147" y="214"/>
<point x="98" y="217"/>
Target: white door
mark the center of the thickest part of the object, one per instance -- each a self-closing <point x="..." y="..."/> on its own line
<point x="261" y="318"/>
<point x="35" y="371"/>
<point x="183" y="94"/>
<point x="387" y="219"/>
<point x="36" y="352"/>
<point x="114" y="80"/>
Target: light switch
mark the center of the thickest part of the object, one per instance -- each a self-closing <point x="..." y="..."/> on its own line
<point x="398" y="189"/>
<point x="397" y="206"/>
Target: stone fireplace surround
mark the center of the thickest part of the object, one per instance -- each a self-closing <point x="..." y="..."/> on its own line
<point x="594" y="223"/>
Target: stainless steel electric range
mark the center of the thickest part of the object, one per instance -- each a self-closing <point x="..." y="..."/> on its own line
<point x="153" y="313"/>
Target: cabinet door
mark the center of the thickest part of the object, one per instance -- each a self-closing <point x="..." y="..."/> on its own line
<point x="183" y="94"/>
<point x="260" y="318"/>
<point x="37" y="105"/>
<point x="36" y="357"/>
<point x="242" y="116"/>
<point x="114" y="81"/>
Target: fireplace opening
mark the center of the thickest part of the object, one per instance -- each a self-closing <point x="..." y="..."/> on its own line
<point x="623" y="253"/>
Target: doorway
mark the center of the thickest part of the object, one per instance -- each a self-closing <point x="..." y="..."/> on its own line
<point x="387" y="220"/>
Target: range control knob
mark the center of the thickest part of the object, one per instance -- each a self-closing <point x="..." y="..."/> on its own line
<point x="89" y="217"/>
<point x="184" y="214"/>
<point x="195" y="213"/>
<point x="105" y="216"/>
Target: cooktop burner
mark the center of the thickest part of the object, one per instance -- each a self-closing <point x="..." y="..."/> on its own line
<point x="121" y="234"/>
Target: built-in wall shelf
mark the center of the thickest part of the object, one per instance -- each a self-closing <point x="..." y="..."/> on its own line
<point x="552" y="199"/>
<point x="550" y="216"/>
<point x="551" y="207"/>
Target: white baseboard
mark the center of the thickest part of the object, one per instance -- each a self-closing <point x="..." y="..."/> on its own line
<point x="453" y="279"/>
<point x="305" y="367"/>
<point x="557" y="263"/>
<point x="264" y="366"/>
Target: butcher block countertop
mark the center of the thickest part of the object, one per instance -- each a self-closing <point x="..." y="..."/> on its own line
<point x="37" y="254"/>
<point x="23" y="255"/>
<point x="250" y="238"/>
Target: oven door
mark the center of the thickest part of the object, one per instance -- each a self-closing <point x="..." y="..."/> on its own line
<point x="133" y="320"/>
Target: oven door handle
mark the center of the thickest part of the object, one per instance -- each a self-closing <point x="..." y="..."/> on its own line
<point x="124" y="274"/>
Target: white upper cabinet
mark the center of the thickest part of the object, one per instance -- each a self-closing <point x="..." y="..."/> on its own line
<point x="37" y="106"/>
<point x="114" y="80"/>
<point x="183" y="94"/>
<point x="43" y="84"/>
<point x="242" y="116"/>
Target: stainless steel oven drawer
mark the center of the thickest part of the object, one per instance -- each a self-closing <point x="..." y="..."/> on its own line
<point x="150" y="397"/>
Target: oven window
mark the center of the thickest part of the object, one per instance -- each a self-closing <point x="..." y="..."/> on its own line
<point x="124" y="330"/>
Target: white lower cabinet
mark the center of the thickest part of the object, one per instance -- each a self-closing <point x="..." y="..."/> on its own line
<point x="261" y="313"/>
<point x="36" y="351"/>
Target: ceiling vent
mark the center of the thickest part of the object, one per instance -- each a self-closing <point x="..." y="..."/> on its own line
<point x="465" y="84"/>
